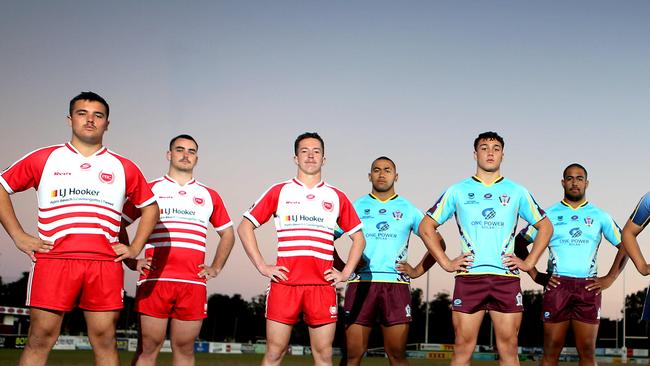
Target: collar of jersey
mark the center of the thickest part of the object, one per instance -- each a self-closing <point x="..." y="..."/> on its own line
<point x="320" y="184"/>
<point x="583" y="204"/>
<point x="477" y="179"/>
<point x="384" y="201"/>
<point x="191" y="181"/>
<point x="101" y="150"/>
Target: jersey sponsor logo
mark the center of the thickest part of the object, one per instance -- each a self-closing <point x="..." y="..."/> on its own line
<point x="382" y="211"/>
<point x="489" y="213"/>
<point x="198" y="201"/>
<point x="487" y="196"/>
<point x="575" y="232"/>
<point x="165" y="197"/>
<point x="182" y="193"/>
<point x="60" y="193"/>
<point x="176" y="211"/>
<point x="470" y="199"/>
<point x="328" y="206"/>
<point x="398" y="215"/>
<point x="589" y="221"/>
<point x="574" y="218"/>
<point x="107" y="178"/>
<point x="382" y="226"/>
<point x="292" y="202"/>
<point x="504" y="199"/>
<point x="85" y="166"/>
<point x="56" y="174"/>
<point x="299" y="218"/>
<point x="310" y="196"/>
<point x="470" y="196"/>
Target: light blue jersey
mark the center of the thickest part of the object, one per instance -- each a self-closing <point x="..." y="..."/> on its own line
<point x="576" y="237"/>
<point x="487" y="216"/>
<point x="387" y="226"/>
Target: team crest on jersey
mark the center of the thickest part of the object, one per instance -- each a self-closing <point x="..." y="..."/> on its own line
<point x="328" y="206"/>
<point x="199" y="201"/>
<point x="310" y="196"/>
<point x="407" y="309"/>
<point x="504" y="199"/>
<point x="519" y="299"/>
<point x="107" y="178"/>
<point x="398" y="215"/>
<point x="182" y="193"/>
<point x="333" y="310"/>
<point x="589" y="221"/>
<point x="85" y="166"/>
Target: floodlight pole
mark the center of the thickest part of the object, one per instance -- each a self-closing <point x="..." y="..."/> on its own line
<point x="426" y="315"/>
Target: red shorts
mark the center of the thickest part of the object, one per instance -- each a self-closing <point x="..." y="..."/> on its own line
<point x="473" y="293"/>
<point x="369" y="302"/>
<point x="317" y="303"/>
<point x="62" y="284"/>
<point x="172" y="299"/>
<point x="570" y="300"/>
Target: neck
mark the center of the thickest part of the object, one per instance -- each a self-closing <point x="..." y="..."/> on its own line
<point x="85" y="149"/>
<point x="179" y="176"/>
<point x="384" y="196"/>
<point x="574" y="204"/>
<point x="488" y="177"/>
<point x="309" y="180"/>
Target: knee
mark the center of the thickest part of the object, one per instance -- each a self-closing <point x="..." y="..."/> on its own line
<point x="275" y="354"/>
<point x="322" y="352"/>
<point x="395" y="353"/>
<point x="586" y="351"/>
<point x="184" y="348"/>
<point x="102" y="339"/>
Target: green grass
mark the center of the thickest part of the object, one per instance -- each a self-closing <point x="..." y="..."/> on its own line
<point x="78" y="358"/>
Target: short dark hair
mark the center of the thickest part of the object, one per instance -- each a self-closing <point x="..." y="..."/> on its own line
<point x="384" y="158"/>
<point x="88" y="95"/>
<point x="489" y="135"/>
<point x="182" y="136"/>
<point x="574" y="165"/>
<point x="308" y="135"/>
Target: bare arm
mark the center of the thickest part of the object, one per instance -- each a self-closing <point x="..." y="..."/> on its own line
<point x="629" y="236"/>
<point x="249" y="241"/>
<point x="358" y="244"/>
<point x="148" y="219"/>
<point x="544" y="232"/>
<point x="601" y="283"/>
<point x="26" y="243"/>
<point x="226" y="243"/>
<point x="425" y="264"/>
<point x="434" y="243"/>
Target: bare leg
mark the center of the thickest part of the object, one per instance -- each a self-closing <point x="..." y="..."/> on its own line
<point x="506" y="330"/>
<point x="101" y="333"/>
<point x="151" y="338"/>
<point x="277" y="341"/>
<point x="395" y="338"/>
<point x="356" y="336"/>
<point x="554" y="336"/>
<point x="321" y="338"/>
<point x="585" y="335"/>
<point x="44" y="329"/>
<point x="466" y="327"/>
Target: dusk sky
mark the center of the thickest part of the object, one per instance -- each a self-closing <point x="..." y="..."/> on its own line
<point x="561" y="81"/>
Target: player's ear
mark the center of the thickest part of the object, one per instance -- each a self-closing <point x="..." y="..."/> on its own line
<point x="324" y="160"/>
<point x="396" y="177"/>
<point x="369" y="177"/>
<point x="108" y="122"/>
<point x="169" y="156"/>
<point x="295" y="159"/>
<point x="69" y="118"/>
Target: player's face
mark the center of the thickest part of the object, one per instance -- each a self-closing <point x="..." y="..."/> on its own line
<point x="310" y="156"/>
<point x="382" y="176"/>
<point x="183" y="155"/>
<point x="575" y="184"/>
<point x="88" y="121"/>
<point x="488" y="155"/>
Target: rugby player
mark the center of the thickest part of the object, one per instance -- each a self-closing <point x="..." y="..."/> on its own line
<point x="173" y="276"/>
<point x="306" y="212"/>
<point x="633" y="227"/>
<point x="379" y="288"/>
<point x="487" y="207"/>
<point x="81" y="188"/>
<point x="572" y="295"/>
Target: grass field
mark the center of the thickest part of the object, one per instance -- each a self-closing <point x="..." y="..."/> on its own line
<point x="78" y="358"/>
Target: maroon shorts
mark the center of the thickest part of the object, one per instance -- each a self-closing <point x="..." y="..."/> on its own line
<point x="172" y="299"/>
<point x="62" y="284"/>
<point x="317" y="303"/>
<point x="474" y="293"/>
<point x="367" y="303"/>
<point x="570" y="300"/>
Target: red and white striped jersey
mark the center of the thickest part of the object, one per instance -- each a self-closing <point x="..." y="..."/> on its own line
<point x="80" y="198"/>
<point x="177" y="243"/>
<point x="305" y="220"/>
